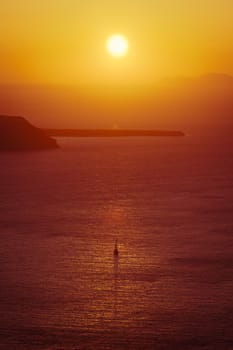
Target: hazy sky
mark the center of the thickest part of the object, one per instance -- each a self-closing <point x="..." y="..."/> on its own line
<point x="63" y="41"/>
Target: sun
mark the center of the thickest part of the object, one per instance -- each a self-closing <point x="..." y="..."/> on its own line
<point x="117" y="45"/>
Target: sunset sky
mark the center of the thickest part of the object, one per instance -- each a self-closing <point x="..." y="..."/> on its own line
<point x="63" y="41"/>
<point x="56" y="70"/>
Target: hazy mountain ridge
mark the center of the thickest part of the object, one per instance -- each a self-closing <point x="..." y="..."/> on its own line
<point x="171" y="103"/>
<point x="207" y="98"/>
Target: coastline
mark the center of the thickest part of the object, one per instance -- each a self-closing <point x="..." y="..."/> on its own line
<point x="112" y="133"/>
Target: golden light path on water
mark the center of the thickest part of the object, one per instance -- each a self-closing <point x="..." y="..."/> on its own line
<point x="110" y="292"/>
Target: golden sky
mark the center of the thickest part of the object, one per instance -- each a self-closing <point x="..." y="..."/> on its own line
<point x="63" y="41"/>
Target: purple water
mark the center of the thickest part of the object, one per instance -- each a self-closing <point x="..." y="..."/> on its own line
<point x="168" y="201"/>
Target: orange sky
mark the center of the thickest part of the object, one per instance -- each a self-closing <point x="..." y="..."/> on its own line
<point x="54" y="60"/>
<point x="63" y="41"/>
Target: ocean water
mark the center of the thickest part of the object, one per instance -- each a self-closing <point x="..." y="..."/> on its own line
<point x="168" y="201"/>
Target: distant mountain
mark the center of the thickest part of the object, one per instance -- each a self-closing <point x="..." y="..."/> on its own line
<point x="173" y="103"/>
<point x="206" y="80"/>
<point x="17" y="134"/>
<point x="208" y="98"/>
<point x="217" y="79"/>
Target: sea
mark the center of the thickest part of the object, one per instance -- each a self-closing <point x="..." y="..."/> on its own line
<point x="169" y="204"/>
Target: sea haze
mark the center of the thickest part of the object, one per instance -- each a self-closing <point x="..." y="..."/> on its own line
<point x="168" y="201"/>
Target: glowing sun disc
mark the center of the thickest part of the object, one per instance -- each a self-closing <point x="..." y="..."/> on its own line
<point x="117" y="45"/>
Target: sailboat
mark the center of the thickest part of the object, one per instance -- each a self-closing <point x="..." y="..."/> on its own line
<point x="116" y="252"/>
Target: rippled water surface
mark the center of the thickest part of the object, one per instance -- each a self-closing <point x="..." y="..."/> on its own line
<point x="169" y="202"/>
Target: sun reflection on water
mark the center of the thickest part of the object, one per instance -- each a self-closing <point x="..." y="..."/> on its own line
<point x="115" y="289"/>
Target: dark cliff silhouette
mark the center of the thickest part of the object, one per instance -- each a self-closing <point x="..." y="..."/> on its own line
<point x="17" y="134"/>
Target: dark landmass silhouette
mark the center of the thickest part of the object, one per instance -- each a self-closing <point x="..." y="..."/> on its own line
<point x="111" y="133"/>
<point x="17" y="134"/>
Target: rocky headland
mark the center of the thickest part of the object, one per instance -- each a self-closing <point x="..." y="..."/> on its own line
<point x="17" y="134"/>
